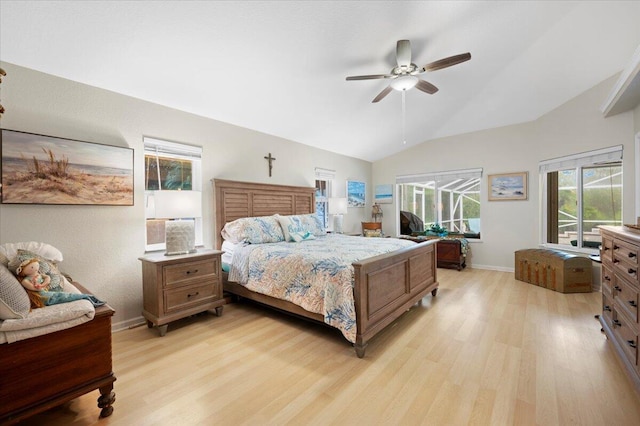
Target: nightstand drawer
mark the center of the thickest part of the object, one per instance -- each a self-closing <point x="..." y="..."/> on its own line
<point x="180" y="298"/>
<point x="182" y="273"/>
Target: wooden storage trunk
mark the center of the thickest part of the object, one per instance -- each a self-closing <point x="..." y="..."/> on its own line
<point x="554" y="269"/>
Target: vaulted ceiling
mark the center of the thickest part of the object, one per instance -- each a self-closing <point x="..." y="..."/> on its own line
<point x="279" y="67"/>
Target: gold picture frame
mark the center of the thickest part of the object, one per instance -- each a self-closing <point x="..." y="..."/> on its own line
<point x="508" y="186"/>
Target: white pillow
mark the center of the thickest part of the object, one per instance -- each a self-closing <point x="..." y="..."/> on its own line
<point x="9" y="251"/>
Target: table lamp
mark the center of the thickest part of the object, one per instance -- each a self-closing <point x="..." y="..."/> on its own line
<point x="338" y="208"/>
<point x="181" y="208"/>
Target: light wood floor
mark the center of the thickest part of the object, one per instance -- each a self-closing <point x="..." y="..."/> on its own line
<point x="487" y="350"/>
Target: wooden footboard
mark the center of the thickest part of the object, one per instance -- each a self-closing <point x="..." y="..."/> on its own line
<point x="386" y="286"/>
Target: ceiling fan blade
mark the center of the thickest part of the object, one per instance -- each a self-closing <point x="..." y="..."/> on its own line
<point x="447" y="62"/>
<point x="382" y="94"/>
<point x="403" y="53"/>
<point x="368" y="77"/>
<point x="426" y="87"/>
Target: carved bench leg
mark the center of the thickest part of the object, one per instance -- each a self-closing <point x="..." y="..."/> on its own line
<point x="360" y="348"/>
<point x="434" y="292"/>
<point x="219" y="310"/>
<point x="106" y="399"/>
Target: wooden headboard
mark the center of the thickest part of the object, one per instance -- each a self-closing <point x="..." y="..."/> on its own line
<point x="245" y="199"/>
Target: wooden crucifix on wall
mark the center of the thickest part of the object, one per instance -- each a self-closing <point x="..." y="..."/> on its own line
<point x="271" y="160"/>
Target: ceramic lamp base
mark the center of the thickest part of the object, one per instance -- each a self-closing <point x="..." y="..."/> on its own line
<point x="180" y="237"/>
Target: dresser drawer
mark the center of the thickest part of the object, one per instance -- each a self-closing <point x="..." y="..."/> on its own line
<point x="625" y="251"/>
<point x="607" y="280"/>
<point x="627" y="297"/>
<point x="181" y="274"/>
<point x="625" y="269"/>
<point x="627" y="336"/>
<point x="606" y="249"/>
<point x="183" y="297"/>
<point x="607" y="309"/>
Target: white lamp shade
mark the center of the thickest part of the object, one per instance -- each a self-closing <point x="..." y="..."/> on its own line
<point x="177" y="204"/>
<point x="338" y="206"/>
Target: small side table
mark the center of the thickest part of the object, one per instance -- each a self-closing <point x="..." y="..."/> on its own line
<point x="178" y="286"/>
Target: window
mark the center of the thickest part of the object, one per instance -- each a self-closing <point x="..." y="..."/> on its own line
<point x="323" y="193"/>
<point x="581" y="192"/>
<point x="450" y="199"/>
<point x="168" y="166"/>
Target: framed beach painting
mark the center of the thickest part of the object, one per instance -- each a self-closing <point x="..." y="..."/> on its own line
<point x="384" y="194"/>
<point x="38" y="169"/>
<point x="508" y="186"/>
<point x="356" y="191"/>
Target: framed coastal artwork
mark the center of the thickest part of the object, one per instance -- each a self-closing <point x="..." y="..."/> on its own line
<point x="508" y="186"/>
<point x="356" y="191"/>
<point x="38" y="169"/>
<point x="384" y="194"/>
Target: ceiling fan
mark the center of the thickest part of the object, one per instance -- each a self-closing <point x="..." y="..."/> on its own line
<point x="404" y="75"/>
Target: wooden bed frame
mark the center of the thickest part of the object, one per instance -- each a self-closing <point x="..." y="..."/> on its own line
<point x="45" y="371"/>
<point x="385" y="286"/>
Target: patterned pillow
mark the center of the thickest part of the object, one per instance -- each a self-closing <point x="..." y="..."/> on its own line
<point x="14" y="301"/>
<point x="46" y="267"/>
<point x="9" y="250"/>
<point x="253" y="230"/>
<point x="300" y="224"/>
<point x="296" y="237"/>
<point x="373" y="233"/>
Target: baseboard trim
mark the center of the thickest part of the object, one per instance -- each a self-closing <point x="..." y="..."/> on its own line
<point x="493" y="268"/>
<point x="127" y="324"/>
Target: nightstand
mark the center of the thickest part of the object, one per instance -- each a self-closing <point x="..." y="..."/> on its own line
<point x="175" y="287"/>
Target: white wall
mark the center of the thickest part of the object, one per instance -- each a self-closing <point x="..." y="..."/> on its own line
<point x="576" y="126"/>
<point x="101" y="244"/>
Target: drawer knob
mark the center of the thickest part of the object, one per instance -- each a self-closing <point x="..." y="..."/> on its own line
<point x="615" y="247"/>
<point x="607" y="278"/>
<point x="195" y="271"/>
<point x="190" y="295"/>
<point x="633" y="303"/>
<point x="606" y="308"/>
<point x="606" y="248"/>
<point x="632" y="343"/>
<point x="631" y="271"/>
<point x="616" y="261"/>
<point x="618" y="323"/>
<point x="632" y="254"/>
<point x="617" y="288"/>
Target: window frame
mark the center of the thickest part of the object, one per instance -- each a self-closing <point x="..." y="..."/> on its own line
<point x="577" y="162"/>
<point x="450" y="177"/>
<point x="327" y="176"/>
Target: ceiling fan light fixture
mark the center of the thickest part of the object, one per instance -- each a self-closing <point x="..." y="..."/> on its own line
<point x="404" y="82"/>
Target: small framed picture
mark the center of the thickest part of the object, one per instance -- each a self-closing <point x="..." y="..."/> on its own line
<point x="508" y="186"/>
<point x="356" y="193"/>
<point x="384" y="194"/>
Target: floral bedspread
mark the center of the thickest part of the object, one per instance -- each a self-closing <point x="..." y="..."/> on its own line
<point x="314" y="274"/>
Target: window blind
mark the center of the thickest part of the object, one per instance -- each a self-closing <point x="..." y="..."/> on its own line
<point x="589" y="158"/>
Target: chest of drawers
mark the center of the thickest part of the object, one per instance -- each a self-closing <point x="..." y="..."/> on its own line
<point x="621" y="295"/>
<point x="175" y="287"/>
